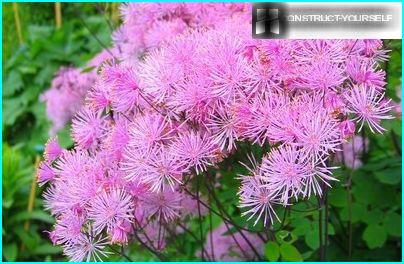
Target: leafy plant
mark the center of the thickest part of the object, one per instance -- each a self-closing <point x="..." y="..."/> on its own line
<point x="27" y="72"/>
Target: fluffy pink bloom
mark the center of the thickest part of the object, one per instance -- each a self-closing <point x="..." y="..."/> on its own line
<point x="135" y="163"/>
<point x="87" y="128"/>
<point x="65" y="96"/>
<point x="257" y="200"/>
<point x="164" y="205"/>
<point x="264" y="111"/>
<point x="334" y="103"/>
<point x="45" y="173"/>
<point x="195" y="150"/>
<point x="89" y="247"/>
<point x="367" y="106"/>
<point x="184" y="85"/>
<point x="162" y="31"/>
<point x="347" y="128"/>
<point x="148" y="131"/>
<point x="319" y="134"/>
<point x="229" y="77"/>
<point x="120" y="232"/>
<point x="118" y="138"/>
<point x="321" y="76"/>
<point x="68" y="228"/>
<point x="312" y="51"/>
<point x="109" y="209"/>
<point x="322" y="175"/>
<point x="125" y="94"/>
<point x="52" y="150"/>
<point x="222" y="125"/>
<point x="285" y="171"/>
<point x="77" y="181"/>
<point x="195" y="98"/>
<point x="99" y="96"/>
<point x="158" y="78"/>
<point x="163" y="168"/>
<point x="365" y="72"/>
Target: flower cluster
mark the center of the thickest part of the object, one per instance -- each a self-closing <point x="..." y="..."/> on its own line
<point x="221" y="246"/>
<point x="68" y="90"/>
<point x="185" y="90"/>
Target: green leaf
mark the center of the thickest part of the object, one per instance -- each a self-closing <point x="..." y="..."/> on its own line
<point x="312" y="239"/>
<point x="338" y="197"/>
<point x="331" y="230"/>
<point x="357" y="212"/>
<point x="27" y="69"/>
<point x="10" y="252"/>
<point x="272" y="251"/>
<point x="303" y="225"/>
<point x="290" y="253"/>
<point x="13" y="83"/>
<point x="34" y="215"/>
<point x="392" y="223"/>
<point x="389" y="176"/>
<point x="375" y="236"/>
<point x="47" y="249"/>
<point x="29" y="239"/>
<point x="12" y="109"/>
<point x="374" y="216"/>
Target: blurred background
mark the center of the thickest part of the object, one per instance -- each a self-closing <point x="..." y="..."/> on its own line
<point x="38" y="38"/>
<point x="365" y="207"/>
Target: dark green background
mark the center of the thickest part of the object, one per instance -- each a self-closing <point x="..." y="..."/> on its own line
<point x="375" y="218"/>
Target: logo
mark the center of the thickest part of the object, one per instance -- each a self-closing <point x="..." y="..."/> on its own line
<point x="268" y="20"/>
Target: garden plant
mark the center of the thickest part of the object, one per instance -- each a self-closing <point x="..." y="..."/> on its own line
<point x="183" y="138"/>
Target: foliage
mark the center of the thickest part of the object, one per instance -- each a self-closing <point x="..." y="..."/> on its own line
<point x="364" y="207"/>
<point x="27" y="72"/>
<point x="23" y="230"/>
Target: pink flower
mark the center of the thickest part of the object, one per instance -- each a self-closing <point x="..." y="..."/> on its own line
<point x="68" y="228"/>
<point x="184" y="85"/>
<point x="125" y="94"/>
<point x="367" y="106"/>
<point x="365" y="72"/>
<point x="109" y="209"/>
<point x="229" y="77"/>
<point x="99" y="96"/>
<point x="257" y="200"/>
<point x="321" y="76"/>
<point x="163" y="205"/>
<point x="118" y="138"/>
<point x="52" y="150"/>
<point x="148" y="131"/>
<point x="87" y="128"/>
<point x="45" y="173"/>
<point x="347" y="128"/>
<point x="164" y="168"/>
<point x="163" y="31"/>
<point x="222" y="125"/>
<point x="194" y="97"/>
<point x="312" y="51"/>
<point x="319" y="134"/>
<point x="195" y="150"/>
<point x="334" y="103"/>
<point x="285" y="171"/>
<point x="89" y="247"/>
<point x="120" y="232"/>
<point x="66" y="95"/>
<point x="135" y="163"/>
